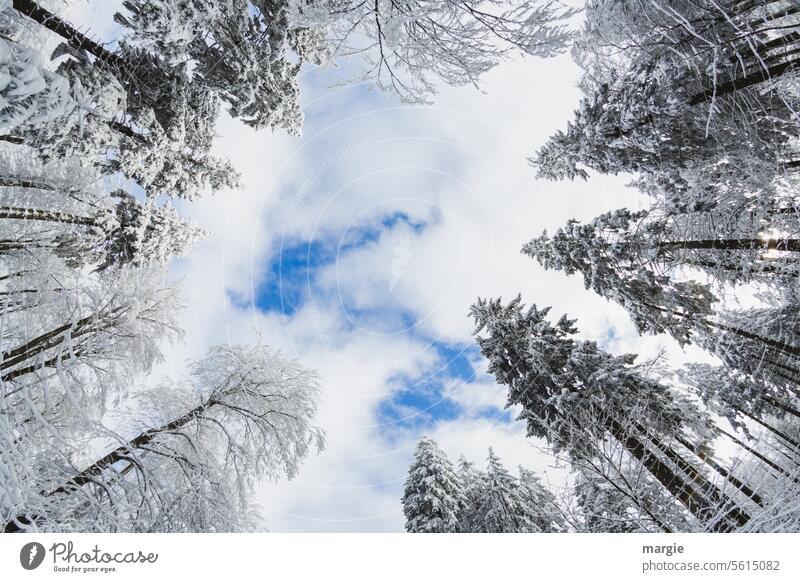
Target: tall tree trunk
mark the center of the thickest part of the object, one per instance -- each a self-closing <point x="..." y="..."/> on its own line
<point x="711" y="462"/>
<point x="751" y="80"/>
<point x="121" y="453"/>
<point x="51" y="339"/>
<point x="12" y="213"/>
<point x="711" y="491"/>
<point x="781" y="406"/>
<point x="688" y="495"/>
<point x="117" y="126"/>
<point x="21" y="182"/>
<point x="742" y="244"/>
<point x="767" y="461"/>
<point x="755" y="269"/>
<point x="65" y="30"/>
<point x="778" y="433"/>
<point x="782" y="347"/>
<point x="791" y="375"/>
<point x="54" y="362"/>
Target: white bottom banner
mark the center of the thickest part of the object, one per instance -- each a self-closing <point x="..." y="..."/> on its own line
<point x="379" y="557"/>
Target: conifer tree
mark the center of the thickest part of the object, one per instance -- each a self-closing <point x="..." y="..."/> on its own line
<point x="619" y="263"/>
<point x="634" y="265"/>
<point x="739" y="397"/>
<point x="433" y="497"/>
<point x="501" y="506"/>
<point x="30" y="95"/>
<point x="694" y="94"/>
<point x="541" y="505"/>
<point x="576" y="396"/>
<point x="129" y="232"/>
<point x="472" y="482"/>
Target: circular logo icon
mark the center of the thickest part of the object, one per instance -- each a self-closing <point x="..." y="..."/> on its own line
<point x="31" y="555"/>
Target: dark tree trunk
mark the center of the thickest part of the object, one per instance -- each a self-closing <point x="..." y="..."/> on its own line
<point x="121" y="453"/>
<point x="710" y="491"/>
<point x="751" y="80"/>
<point x="741" y="244"/>
<point x="65" y="30"/>
<point x="781" y="406"/>
<point x="767" y="461"/>
<point x="782" y="347"/>
<point x="688" y="495"/>
<point x="11" y="213"/>
<point x="711" y="462"/>
<point x="774" y="270"/>
<point x="20" y="182"/>
<point x="778" y="433"/>
<point x="52" y="338"/>
<point x="51" y="363"/>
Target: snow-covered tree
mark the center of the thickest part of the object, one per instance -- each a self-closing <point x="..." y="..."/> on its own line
<point x="472" y="482"/>
<point x="637" y="263"/>
<point x="723" y="44"/>
<point x="732" y="246"/>
<point x="110" y="325"/>
<point x="761" y="342"/>
<point x="694" y="98"/>
<point x="501" y="506"/>
<point x="30" y="95"/>
<point x="71" y="346"/>
<point x="240" y="50"/>
<point x="433" y="496"/>
<point x="85" y="132"/>
<point x="779" y="487"/>
<point x="640" y="122"/>
<point x="162" y="141"/>
<point x="576" y="396"/>
<point x="738" y="397"/>
<point x="626" y="502"/>
<point x="603" y="508"/>
<point x="128" y="232"/>
<point x="407" y="44"/>
<point x="194" y="453"/>
<point x="159" y="123"/>
<point x="84" y="316"/>
<point x="621" y="263"/>
<point x="540" y="503"/>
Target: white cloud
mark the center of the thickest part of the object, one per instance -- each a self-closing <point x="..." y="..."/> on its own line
<point x="475" y="397"/>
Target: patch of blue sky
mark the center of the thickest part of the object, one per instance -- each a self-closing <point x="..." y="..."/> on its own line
<point x="290" y="279"/>
<point x="287" y="282"/>
<point x="397" y="217"/>
<point x="416" y="403"/>
<point x="610" y="341"/>
<point x="420" y="403"/>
